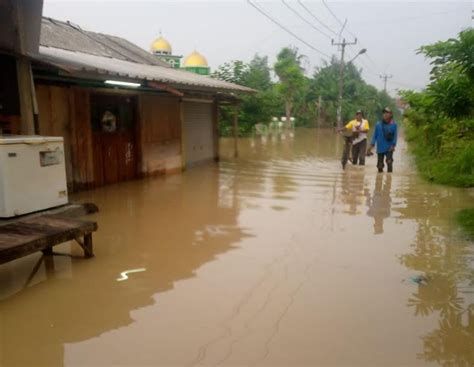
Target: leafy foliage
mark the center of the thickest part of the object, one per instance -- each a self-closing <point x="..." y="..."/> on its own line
<point x="357" y="93"/>
<point x="231" y="72"/>
<point x="440" y="120"/>
<point x="466" y="219"/>
<point x="458" y="51"/>
<point x="292" y="80"/>
<point x="256" y="108"/>
<point x="294" y="94"/>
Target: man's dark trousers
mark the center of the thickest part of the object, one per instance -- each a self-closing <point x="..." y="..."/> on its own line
<point x="388" y="156"/>
<point x="358" y="152"/>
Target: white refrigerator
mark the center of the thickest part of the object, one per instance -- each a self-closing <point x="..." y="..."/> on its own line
<point x="32" y="174"/>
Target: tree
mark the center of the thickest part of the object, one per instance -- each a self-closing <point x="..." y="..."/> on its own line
<point x="440" y="120"/>
<point x="231" y="72"/>
<point x="452" y="75"/>
<point x="255" y="108"/>
<point x="257" y="74"/>
<point x="357" y="93"/>
<point x="292" y="80"/>
<point x="458" y="51"/>
<point x="296" y="94"/>
<point x="260" y="107"/>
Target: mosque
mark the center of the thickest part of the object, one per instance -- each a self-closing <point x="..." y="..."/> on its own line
<point x="194" y="62"/>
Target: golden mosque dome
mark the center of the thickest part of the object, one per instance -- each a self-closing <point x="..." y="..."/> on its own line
<point x="160" y="45"/>
<point x="195" y="59"/>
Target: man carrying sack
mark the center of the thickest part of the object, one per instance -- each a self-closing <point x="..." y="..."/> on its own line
<point x="355" y="134"/>
<point x="359" y="127"/>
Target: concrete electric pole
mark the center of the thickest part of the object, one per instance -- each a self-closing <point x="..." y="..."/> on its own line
<point x="385" y="77"/>
<point x="343" y="45"/>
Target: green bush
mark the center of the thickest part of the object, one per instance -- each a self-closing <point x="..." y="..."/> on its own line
<point x="440" y="120"/>
<point x="466" y="219"/>
<point x="445" y="156"/>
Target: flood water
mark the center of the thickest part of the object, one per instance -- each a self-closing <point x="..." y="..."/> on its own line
<point x="277" y="258"/>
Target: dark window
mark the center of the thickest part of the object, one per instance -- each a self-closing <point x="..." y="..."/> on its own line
<point x="112" y="113"/>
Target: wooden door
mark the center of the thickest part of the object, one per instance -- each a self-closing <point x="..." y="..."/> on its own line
<point x="115" y="157"/>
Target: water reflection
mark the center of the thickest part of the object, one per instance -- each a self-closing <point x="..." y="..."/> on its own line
<point x="138" y="223"/>
<point x="355" y="190"/>
<point x="447" y="264"/>
<point x="380" y="202"/>
<point x="270" y="259"/>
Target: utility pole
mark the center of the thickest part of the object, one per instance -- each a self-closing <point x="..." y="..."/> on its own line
<point x="385" y="77"/>
<point x="320" y="104"/>
<point x="343" y="45"/>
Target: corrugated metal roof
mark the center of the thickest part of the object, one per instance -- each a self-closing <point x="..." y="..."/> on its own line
<point x="68" y="36"/>
<point x="78" y="63"/>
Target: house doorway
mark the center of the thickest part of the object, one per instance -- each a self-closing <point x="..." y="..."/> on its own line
<point x="113" y="121"/>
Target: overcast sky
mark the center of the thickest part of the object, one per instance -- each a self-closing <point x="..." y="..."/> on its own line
<point x="227" y="30"/>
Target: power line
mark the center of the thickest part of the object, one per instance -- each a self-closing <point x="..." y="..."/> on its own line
<point x="342" y="30"/>
<point x="366" y="68"/>
<point x="305" y="20"/>
<point x="343" y="46"/>
<point x="385" y="78"/>
<point x="315" y="17"/>
<point x="403" y="19"/>
<point x="412" y="86"/>
<point x="371" y="60"/>
<point x="287" y="30"/>
<point x="338" y="20"/>
<point x="331" y="12"/>
<point x="344" y="26"/>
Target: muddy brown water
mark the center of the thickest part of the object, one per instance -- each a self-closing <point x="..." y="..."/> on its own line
<point x="277" y="258"/>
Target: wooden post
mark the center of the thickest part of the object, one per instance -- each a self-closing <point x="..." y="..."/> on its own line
<point x="320" y="102"/>
<point x="216" y="131"/>
<point x="49" y="265"/>
<point x="183" y="134"/>
<point x="87" y="247"/>
<point x="34" y="101"/>
<point x="236" y="130"/>
<point x="48" y="251"/>
<point x="26" y="94"/>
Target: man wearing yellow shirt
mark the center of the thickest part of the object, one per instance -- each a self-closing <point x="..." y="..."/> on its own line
<point x="359" y="127"/>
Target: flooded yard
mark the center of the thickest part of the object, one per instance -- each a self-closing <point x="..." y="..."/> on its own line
<point x="277" y="258"/>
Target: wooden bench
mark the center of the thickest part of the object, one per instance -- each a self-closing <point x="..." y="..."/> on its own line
<point x="26" y="236"/>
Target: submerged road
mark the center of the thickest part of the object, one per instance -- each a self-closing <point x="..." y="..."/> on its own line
<point x="278" y="258"/>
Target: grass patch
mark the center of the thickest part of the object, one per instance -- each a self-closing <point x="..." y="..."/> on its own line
<point x="448" y="164"/>
<point x="466" y="220"/>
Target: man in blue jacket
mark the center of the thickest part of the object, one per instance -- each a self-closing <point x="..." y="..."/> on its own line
<point x="385" y="136"/>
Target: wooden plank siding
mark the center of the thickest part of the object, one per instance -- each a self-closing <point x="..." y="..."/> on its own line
<point x="160" y="134"/>
<point x="65" y="111"/>
<point x="54" y="112"/>
<point x="81" y="138"/>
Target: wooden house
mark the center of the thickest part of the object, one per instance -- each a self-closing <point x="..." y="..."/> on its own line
<point x="123" y="113"/>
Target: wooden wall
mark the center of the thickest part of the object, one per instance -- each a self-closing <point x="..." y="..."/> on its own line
<point x="53" y="119"/>
<point x="64" y="112"/>
<point x="81" y="139"/>
<point x="159" y="134"/>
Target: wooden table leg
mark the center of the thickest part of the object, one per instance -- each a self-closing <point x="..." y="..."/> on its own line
<point x="34" y="271"/>
<point x="87" y="246"/>
<point x="47" y="251"/>
<point x="49" y="266"/>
